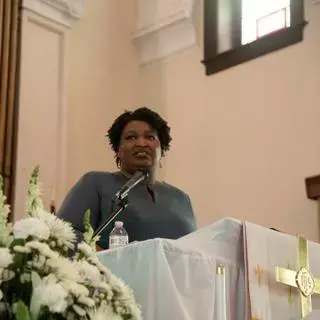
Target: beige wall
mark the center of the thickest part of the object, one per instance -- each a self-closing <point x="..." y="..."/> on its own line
<point x="41" y="134"/>
<point x="244" y="139"/>
<point x="102" y="82"/>
<point x="76" y="76"/>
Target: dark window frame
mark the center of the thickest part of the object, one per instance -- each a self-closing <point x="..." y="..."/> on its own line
<point x="215" y="62"/>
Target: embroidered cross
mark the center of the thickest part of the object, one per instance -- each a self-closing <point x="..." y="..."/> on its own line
<point x="290" y="298"/>
<point x="301" y="278"/>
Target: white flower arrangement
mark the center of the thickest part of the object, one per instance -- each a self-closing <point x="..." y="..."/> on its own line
<point x="39" y="280"/>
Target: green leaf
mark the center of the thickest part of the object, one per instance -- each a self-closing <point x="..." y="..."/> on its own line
<point x="18" y="242"/>
<point x="21" y="311"/>
<point x="34" y="200"/>
<point x="34" y="175"/>
<point x="88" y="230"/>
<point x="19" y="259"/>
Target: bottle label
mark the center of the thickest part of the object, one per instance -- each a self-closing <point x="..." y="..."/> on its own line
<point x="118" y="241"/>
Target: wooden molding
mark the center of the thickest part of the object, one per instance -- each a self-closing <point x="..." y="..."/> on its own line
<point x="313" y="187"/>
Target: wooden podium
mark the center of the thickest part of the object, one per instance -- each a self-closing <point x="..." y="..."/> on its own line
<point x="313" y="187"/>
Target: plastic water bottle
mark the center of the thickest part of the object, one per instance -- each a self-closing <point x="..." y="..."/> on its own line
<point x="118" y="237"/>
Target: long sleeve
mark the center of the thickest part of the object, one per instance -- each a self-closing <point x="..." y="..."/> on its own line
<point x="192" y="217"/>
<point x="82" y="196"/>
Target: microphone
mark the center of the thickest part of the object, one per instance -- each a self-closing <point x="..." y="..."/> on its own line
<point x="121" y="196"/>
<point x="138" y="177"/>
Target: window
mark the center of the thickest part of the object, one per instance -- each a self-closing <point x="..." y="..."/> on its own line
<point x="238" y="31"/>
<point x="260" y="18"/>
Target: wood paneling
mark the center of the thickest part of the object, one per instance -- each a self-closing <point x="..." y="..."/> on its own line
<point x="10" y="24"/>
<point x="313" y="187"/>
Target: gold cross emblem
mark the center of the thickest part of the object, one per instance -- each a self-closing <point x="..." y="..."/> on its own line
<point x="290" y="298"/>
<point x="302" y="279"/>
<point x="259" y="272"/>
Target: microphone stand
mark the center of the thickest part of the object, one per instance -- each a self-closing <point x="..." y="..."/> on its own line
<point x="123" y="203"/>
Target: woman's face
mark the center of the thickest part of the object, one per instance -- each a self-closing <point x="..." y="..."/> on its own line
<point x="139" y="147"/>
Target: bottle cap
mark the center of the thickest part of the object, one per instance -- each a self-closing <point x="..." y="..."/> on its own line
<point x="118" y="224"/>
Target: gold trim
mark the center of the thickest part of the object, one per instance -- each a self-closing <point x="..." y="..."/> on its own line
<point x="259" y="272"/>
<point x="220" y="269"/>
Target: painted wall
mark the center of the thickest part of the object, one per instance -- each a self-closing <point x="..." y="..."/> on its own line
<point x="245" y="138"/>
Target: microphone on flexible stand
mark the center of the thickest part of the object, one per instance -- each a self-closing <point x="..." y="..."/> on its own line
<point x="121" y="198"/>
<point x="138" y="177"/>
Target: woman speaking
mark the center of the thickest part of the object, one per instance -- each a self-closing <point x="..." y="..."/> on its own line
<point x="155" y="209"/>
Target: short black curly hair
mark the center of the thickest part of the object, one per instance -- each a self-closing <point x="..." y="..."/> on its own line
<point x="141" y="114"/>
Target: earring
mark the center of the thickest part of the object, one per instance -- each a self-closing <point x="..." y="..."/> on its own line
<point x="160" y="164"/>
<point x="118" y="162"/>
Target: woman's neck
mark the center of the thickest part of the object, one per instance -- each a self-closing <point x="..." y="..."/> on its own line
<point x="128" y="175"/>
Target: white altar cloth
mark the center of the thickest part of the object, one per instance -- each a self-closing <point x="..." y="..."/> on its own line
<point x="175" y="279"/>
<point x="269" y="299"/>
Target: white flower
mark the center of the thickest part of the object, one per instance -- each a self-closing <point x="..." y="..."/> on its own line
<point x="103" y="269"/>
<point x="5" y="258"/>
<point x="47" y="293"/>
<point x="88" y="302"/>
<point x="106" y="291"/>
<point x="63" y="268"/>
<point x="21" y="249"/>
<point x="43" y="249"/>
<point x="85" y="249"/>
<point x="7" y="274"/>
<point x="6" y="234"/>
<point x="58" y="229"/>
<point x="81" y="312"/>
<point x="88" y="272"/>
<point x="105" y="312"/>
<point x="25" y="277"/>
<point x="38" y="262"/>
<point x="94" y="260"/>
<point x="5" y="230"/>
<point x="24" y="228"/>
<point x="54" y="296"/>
<point x="75" y="288"/>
